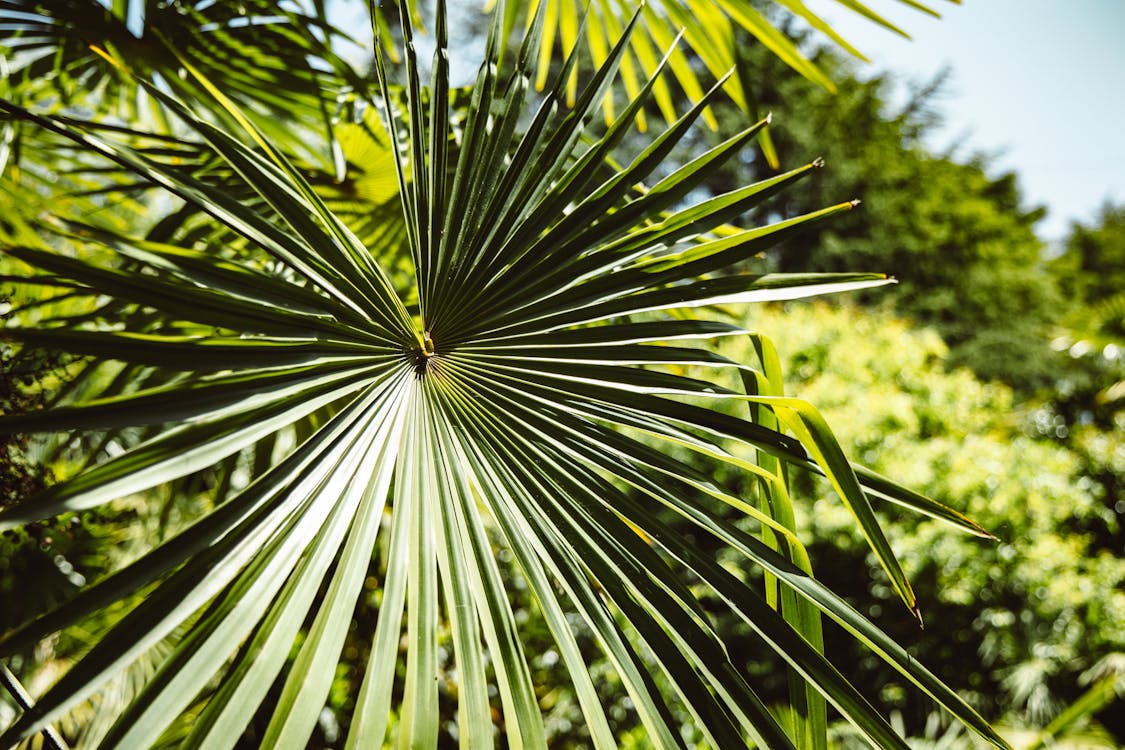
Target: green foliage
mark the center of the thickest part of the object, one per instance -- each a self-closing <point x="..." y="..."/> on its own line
<point x="1092" y="332"/>
<point x="1092" y="267"/>
<point x="1021" y="620"/>
<point x="272" y="58"/>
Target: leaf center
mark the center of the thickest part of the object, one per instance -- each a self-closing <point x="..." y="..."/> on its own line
<point x="423" y="353"/>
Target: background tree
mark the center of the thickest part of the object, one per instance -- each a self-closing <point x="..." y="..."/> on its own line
<point x="1092" y="332"/>
<point x="1028" y="620"/>
<point x="1092" y="266"/>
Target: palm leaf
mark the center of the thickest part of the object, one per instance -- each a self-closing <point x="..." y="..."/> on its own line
<point x="278" y="62"/>
<point x="714" y="29"/>
<point x="517" y="396"/>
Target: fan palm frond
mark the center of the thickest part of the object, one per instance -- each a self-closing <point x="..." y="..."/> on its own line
<point x="714" y="30"/>
<point x="274" y="59"/>
<point x="520" y="393"/>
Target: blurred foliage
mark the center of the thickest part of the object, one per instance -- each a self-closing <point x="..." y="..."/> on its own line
<point x="1092" y="268"/>
<point x="1091" y="271"/>
<point x="1020" y="620"/>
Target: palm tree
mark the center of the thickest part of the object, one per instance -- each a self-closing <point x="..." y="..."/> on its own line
<point x="478" y="396"/>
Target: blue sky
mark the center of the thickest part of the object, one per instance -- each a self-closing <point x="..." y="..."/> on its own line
<point x="1038" y="83"/>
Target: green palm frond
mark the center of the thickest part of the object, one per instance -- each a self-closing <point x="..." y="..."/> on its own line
<point x="714" y="30"/>
<point x="516" y="398"/>
<point x="709" y="26"/>
<point x="273" y="59"/>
